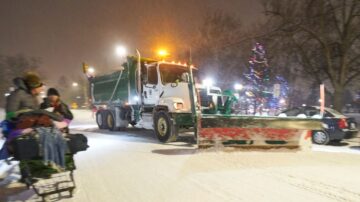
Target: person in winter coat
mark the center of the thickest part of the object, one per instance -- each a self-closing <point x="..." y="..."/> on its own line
<point x="20" y="105"/>
<point x="53" y="101"/>
<point x="25" y="96"/>
<point x="23" y="99"/>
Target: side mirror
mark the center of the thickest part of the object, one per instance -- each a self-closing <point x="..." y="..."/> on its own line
<point x="185" y="77"/>
<point x="144" y="79"/>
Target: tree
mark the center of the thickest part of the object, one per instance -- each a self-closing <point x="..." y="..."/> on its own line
<point x="211" y="49"/>
<point x="325" y="38"/>
<point x="263" y="87"/>
<point x="65" y="88"/>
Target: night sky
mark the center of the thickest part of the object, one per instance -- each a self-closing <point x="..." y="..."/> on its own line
<point x="64" y="33"/>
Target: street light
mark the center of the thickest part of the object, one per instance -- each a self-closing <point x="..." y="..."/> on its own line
<point x="91" y="70"/>
<point x="120" y="51"/>
<point x="238" y="86"/>
<point x="162" y="53"/>
<point x="74" y="84"/>
<point x="208" y="82"/>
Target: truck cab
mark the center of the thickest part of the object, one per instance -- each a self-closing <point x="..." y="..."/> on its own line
<point x="166" y="102"/>
<point x="167" y="85"/>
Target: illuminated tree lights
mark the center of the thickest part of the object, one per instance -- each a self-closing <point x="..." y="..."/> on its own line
<point x="264" y="90"/>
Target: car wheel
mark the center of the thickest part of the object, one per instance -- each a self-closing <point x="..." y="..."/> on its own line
<point x="320" y="137"/>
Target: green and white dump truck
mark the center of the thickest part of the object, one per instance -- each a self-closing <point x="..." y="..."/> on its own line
<point x="156" y="96"/>
<point x="163" y="96"/>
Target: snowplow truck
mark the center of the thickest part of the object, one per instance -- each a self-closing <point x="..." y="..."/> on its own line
<point x="164" y="96"/>
<point x="145" y="93"/>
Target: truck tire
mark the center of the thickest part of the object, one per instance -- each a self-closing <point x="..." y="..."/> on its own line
<point x="100" y="119"/>
<point x="110" y="121"/>
<point x="165" y="131"/>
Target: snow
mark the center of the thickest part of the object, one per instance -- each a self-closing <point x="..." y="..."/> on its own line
<point x="83" y="119"/>
<point x="336" y="149"/>
<point x="132" y="166"/>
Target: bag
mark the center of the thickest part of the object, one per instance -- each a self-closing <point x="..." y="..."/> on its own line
<point x="6" y="127"/>
<point x="77" y="142"/>
<point x="33" y="120"/>
<point x="24" y="147"/>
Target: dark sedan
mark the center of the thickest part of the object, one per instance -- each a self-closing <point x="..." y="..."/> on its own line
<point x="336" y="125"/>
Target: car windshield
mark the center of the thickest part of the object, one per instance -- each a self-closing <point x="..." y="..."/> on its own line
<point x="171" y="73"/>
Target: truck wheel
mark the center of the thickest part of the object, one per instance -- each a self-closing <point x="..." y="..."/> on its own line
<point x="164" y="129"/>
<point x="100" y="119"/>
<point x="110" y="122"/>
<point x="320" y="137"/>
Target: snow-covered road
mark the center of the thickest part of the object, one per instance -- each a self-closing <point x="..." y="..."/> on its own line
<point x="133" y="166"/>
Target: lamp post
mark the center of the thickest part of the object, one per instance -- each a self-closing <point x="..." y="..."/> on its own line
<point x="139" y="75"/>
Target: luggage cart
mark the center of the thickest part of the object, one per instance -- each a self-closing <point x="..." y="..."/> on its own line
<point x="49" y="184"/>
<point x="43" y="179"/>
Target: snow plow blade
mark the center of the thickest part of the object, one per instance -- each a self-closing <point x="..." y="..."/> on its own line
<point x="255" y="132"/>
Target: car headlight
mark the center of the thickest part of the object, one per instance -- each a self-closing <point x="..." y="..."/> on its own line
<point x="178" y="105"/>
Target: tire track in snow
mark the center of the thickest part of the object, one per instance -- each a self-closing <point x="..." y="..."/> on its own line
<point x="319" y="188"/>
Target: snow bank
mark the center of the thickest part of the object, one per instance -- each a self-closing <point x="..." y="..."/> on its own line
<point x="83" y="119"/>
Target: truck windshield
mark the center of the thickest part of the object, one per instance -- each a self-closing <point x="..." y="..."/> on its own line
<point x="173" y="73"/>
<point x="195" y="75"/>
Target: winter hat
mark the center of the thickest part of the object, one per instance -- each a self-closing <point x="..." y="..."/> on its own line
<point x="52" y="91"/>
<point x="32" y="80"/>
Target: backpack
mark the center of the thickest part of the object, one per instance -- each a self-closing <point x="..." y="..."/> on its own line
<point x="77" y="142"/>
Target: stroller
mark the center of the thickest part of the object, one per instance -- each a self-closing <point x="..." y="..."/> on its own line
<point x="44" y="178"/>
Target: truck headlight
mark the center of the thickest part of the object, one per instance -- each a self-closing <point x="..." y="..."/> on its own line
<point x="178" y="105"/>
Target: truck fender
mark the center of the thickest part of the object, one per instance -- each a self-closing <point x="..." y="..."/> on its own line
<point x="161" y="108"/>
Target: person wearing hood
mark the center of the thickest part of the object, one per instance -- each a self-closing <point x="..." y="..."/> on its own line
<point x="25" y="96"/>
<point x="23" y="99"/>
